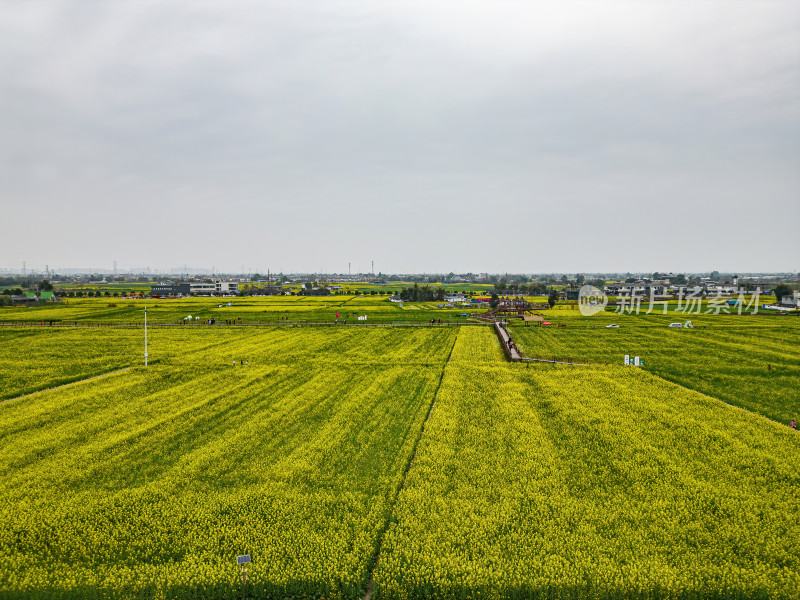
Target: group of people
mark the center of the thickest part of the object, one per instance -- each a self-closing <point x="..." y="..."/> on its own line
<point x="434" y="321"/>
<point x="243" y="363"/>
<point x="213" y="321"/>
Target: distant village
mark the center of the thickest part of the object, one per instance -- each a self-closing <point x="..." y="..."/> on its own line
<point x="51" y="287"/>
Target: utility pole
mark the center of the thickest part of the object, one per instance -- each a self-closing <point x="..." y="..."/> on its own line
<point x="145" y="336"/>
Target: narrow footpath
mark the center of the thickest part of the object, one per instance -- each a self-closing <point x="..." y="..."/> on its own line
<point x="371" y="581"/>
<point x="509" y="347"/>
<point x="512" y="352"/>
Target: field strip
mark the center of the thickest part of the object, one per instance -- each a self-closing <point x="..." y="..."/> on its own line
<point x="715" y="399"/>
<point x="554" y="362"/>
<point x="112" y="325"/>
<point x="371" y="581"/>
<point x="68" y="384"/>
<point x="513" y="354"/>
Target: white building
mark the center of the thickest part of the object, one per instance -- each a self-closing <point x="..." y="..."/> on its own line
<point x="453" y="298"/>
<point x="792" y="301"/>
<point x="207" y="288"/>
<point x="226" y="287"/>
<point x="204" y="289"/>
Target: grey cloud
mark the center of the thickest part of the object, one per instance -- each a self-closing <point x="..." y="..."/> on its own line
<point x="362" y="124"/>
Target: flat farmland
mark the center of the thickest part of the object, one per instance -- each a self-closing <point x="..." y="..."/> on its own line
<point x="592" y="482"/>
<point x="114" y="487"/>
<point x="748" y="361"/>
<point x="35" y="359"/>
<point x="245" y="310"/>
<point x="413" y="461"/>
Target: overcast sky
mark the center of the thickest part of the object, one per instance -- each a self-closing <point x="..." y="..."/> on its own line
<point x="428" y="137"/>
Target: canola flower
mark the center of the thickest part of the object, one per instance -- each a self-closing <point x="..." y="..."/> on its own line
<point x="745" y="361"/>
<point x="592" y="482"/>
<point x="149" y="483"/>
<point x="550" y="482"/>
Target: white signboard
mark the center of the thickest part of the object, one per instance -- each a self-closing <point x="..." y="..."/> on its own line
<point x="635" y="361"/>
<point x="627" y="359"/>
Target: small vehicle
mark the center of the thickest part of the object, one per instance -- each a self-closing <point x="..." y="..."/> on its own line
<point x="612" y="325"/>
<point x="676" y="325"/>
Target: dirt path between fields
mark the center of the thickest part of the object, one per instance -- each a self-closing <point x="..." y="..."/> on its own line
<point x="63" y="385"/>
<point x="371" y="582"/>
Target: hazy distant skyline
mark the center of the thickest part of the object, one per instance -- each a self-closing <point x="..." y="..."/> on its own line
<point x="429" y="137"/>
<point x="174" y="272"/>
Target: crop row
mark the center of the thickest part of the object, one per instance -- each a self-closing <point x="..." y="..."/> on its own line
<point x="756" y="367"/>
<point x="243" y="309"/>
<point x="599" y="482"/>
<point x="592" y="482"/>
<point x="149" y="483"/>
<point x="35" y="359"/>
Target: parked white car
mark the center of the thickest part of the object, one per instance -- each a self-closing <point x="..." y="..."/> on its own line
<point x="612" y="325"/>
<point x="678" y="325"/>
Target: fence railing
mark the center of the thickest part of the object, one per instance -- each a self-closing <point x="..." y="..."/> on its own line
<point x="198" y="324"/>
